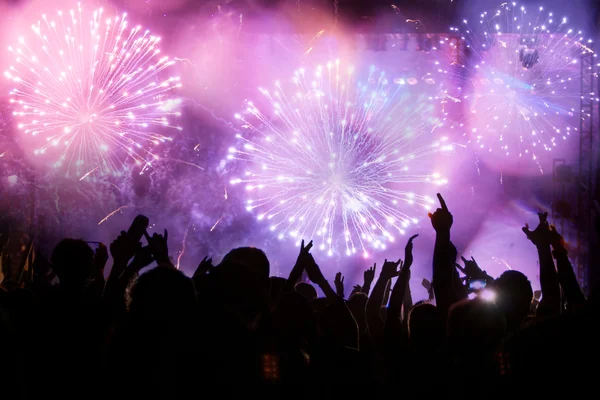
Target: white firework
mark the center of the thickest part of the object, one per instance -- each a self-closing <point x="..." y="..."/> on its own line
<point x="339" y="161"/>
<point x="523" y="92"/>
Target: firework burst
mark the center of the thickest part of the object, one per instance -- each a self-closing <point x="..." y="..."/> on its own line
<point x="89" y="91"/>
<point x="523" y="92"/>
<point x="338" y="159"/>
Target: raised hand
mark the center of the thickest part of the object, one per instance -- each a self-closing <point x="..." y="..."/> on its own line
<point x="204" y="267"/>
<point x="307" y="262"/>
<point x="441" y="219"/>
<point x="143" y="257"/>
<point x="303" y="257"/>
<point x="302" y="264"/>
<point x="541" y="235"/>
<point x="408" y="256"/>
<point x="369" y="275"/>
<point x="123" y="248"/>
<point x="100" y="258"/>
<point x="339" y="284"/>
<point x="390" y="269"/>
<point x="158" y="246"/>
<point x="314" y="272"/>
<point x="356" y="289"/>
<point x="471" y="269"/>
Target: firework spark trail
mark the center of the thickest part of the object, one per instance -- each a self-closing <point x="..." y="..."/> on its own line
<point x="183" y="60"/>
<point x="185" y="234"/>
<point x="112" y="213"/>
<point x="312" y="41"/>
<point x="214" y="116"/>
<point x="146" y="166"/>
<point x="185" y="162"/>
<point x="336" y="12"/>
<point x="216" y="223"/>
<point x="149" y="164"/>
<point x="188" y="61"/>
<point x="89" y="90"/>
<point x="338" y="159"/>
<point x="525" y="96"/>
<point x="57" y="200"/>
<point x="115" y="186"/>
<point x="502" y="261"/>
<point x="88" y="173"/>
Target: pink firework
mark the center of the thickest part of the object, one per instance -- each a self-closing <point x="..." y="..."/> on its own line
<point x="91" y="92"/>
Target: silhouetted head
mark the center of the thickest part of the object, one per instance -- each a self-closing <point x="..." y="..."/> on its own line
<point x="293" y="318"/>
<point x="276" y="285"/>
<point x="306" y="290"/>
<point x="475" y="329"/>
<point x="162" y="293"/>
<point x="513" y="297"/>
<point x="250" y="257"/>
<point x="357" y="304"/>
<point x="72" y="261"/>
<point x="241" y="281"/>
<point x="426" y="326"/>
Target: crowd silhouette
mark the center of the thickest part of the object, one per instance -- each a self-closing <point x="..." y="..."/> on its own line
<point x="148" y="331"/>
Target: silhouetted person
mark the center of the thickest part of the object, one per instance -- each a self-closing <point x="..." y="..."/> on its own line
<point x="306" y="290"/>
<point x="513" y="297"/>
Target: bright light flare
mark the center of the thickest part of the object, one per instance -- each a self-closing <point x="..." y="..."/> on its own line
<point x="337" y="159"/>
<point x="89" y="90"/>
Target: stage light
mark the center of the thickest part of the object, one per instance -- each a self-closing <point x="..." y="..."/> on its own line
<point x="564" y="174"/>
<point x="487" y="295"/>
<point x="405" y="40"/>
<point x="528" y="57"/>
<point x="424" y="43"/>
<point x="377" y="43"/>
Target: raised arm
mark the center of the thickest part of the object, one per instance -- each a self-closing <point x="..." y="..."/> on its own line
<point x="407" y="303"/>
<point x="444" y="273"/>
<point x="399" y="292"/>
<point x="299" y="267"/>
<point x="122" y="250"/>
<point x="550" y="302"/>
<point x="344" y="320"/>
<point x="401" y="287"/>
<point x="374" y="321"/>
<point x="100" y="259"/>
<point x="566" y="275"/>
<point x="201" y="273"/>
<point x="316" y="276"/>
<point x="368" y="277"/>
<point x="339" y="284"/>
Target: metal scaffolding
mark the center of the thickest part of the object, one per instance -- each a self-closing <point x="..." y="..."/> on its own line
<point x="588" y="125"/>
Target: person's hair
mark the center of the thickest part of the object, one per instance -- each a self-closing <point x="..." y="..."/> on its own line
<point x="72" y="261"/>
<point x="357" y="304"/>
<point x="306" y="290"/>
<point x="475" y="327"/>
<point x="358" y="297"/>
<point x="513" y="295"/>
<point x="425" y="325"/>
<point x="250" y="257"/>
<point x="162" y="292"/>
